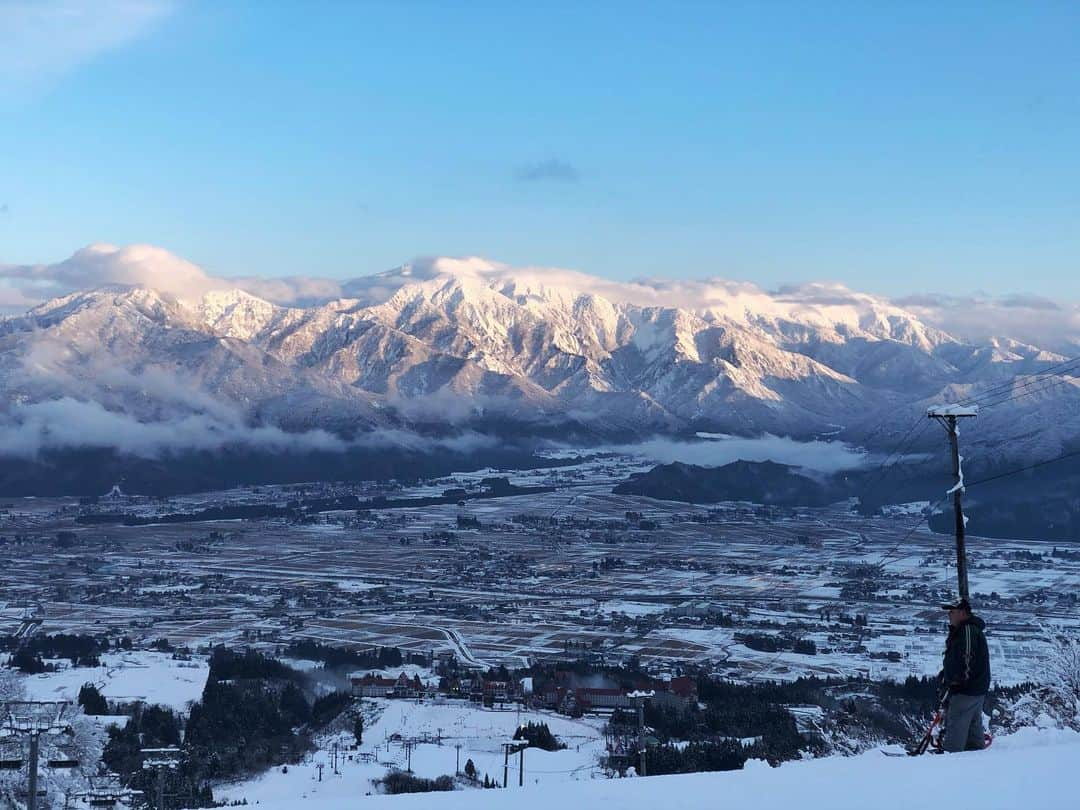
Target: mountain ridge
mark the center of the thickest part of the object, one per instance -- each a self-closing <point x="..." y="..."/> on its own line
<point x="461" y="343"/>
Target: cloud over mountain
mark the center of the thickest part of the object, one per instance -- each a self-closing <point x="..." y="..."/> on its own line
<point x="1031" y="319"/>
<point x="142" y="350"/>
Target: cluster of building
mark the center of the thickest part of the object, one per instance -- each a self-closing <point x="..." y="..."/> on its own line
<point x="567" y="692"/>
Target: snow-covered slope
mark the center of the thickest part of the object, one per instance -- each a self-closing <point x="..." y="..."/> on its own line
<point x="1030" y="770"/>
<point x="456" y="341"/>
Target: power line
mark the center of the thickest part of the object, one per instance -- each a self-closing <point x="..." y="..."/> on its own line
<point x="1051" y="384"/>
<point x="897" y="451"/>
<point x="927" y="514"/>
<point x="1019" y="470"/>
<point x="1016" y="392"/>
<point x="932" y="508"/>
<point x="1012" y="387"/>
<point x="1050" y="371"/>
<point x="905" y="443"/>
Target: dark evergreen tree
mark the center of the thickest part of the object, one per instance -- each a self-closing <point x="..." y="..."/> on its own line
<point x="326" y="709"/>
<point x="397" y="782"/>
<point x="538" y="735"/>
<point x="27" y="661"/>
<point x="153" y="727"/>
<point x="294" y="706"/>
<point x="389" y="657"/>
<point x="92" y="701"/>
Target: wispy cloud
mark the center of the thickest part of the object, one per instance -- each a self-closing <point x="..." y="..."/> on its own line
<point x="25" y="285"/>
<point x="548" y="171"/>
<point x="155" y="411"/>
<point x="102" y="264"/>
<point x="816" y="455"/>
<point x="1040" y="321"/>
<point x="42" y="40"/>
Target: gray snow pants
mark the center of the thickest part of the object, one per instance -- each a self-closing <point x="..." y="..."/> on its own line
<point x="964" y="723"/>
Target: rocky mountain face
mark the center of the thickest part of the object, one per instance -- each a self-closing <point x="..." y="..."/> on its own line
<point x="454" y="349"/>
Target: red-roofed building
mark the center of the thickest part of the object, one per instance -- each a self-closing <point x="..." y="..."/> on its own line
<point x="371" y="685"/>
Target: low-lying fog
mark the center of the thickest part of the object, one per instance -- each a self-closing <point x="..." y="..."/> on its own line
<point x="715" y="450"/>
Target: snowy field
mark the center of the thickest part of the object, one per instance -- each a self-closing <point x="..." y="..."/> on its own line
<point x="1030" y="770"/>
<point x="151" y="677"/>
<point x="388" y="723"/>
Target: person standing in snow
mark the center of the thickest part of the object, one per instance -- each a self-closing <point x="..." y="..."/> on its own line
<point x="966" y="674"/>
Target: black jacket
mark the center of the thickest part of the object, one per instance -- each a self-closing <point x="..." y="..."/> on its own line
<point x="967" y="660"/>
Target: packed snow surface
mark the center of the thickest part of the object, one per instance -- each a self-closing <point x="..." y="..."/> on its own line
<point x="151" y="677"/>
<point x="479" y="733"/>
<point x="1032" y="769"/>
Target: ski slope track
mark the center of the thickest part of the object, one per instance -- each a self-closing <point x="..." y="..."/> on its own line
<point x="1031" y="770"/>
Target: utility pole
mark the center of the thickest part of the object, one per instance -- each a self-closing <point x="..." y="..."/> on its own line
<point x="948" y="416"/>
<point x="408" y="755"/>
<point x="521" y="766"/>
<point x="160" y="760"/>
<point x="457" y="759"/>
<point x="32" y="718"/>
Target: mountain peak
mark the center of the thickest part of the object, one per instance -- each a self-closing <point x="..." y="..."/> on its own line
<point x="235" y="313"/>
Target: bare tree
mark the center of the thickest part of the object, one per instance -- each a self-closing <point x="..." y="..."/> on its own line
<point x="1057" y="699"/>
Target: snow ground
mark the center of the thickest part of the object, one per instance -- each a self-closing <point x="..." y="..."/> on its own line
<point x="633" y="609"/>
<point x="140" y="675"/>
<point x="1033" y="769"/>
<point x="478" y="731"/>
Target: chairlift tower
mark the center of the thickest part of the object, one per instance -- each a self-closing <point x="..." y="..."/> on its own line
<point x="31" y="719"/>
<point x="513" y="746"/>
<point x="106" y="791"/>
<point x="161" y="761"/>
<point x="949" y="416"/>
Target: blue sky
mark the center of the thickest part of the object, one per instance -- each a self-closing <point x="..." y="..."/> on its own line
<point x="894" y="147"/>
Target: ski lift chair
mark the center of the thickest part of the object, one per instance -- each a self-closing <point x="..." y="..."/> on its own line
<point x="11" y="757"/>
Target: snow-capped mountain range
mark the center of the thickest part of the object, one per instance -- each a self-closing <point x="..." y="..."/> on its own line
<point x="467" y="344"/>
